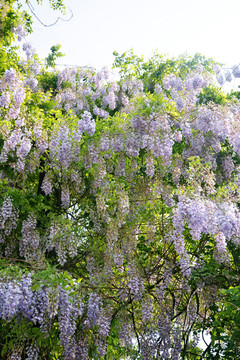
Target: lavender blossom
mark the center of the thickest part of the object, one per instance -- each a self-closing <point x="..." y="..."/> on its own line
<point x="5" y="100"/>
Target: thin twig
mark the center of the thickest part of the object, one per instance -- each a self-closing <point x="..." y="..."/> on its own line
<point x="55" y="22"/>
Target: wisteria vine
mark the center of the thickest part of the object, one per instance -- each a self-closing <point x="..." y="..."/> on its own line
<point x="113" y="201"/>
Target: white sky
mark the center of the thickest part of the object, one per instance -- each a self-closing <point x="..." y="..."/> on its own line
<point x="98" y="27"/>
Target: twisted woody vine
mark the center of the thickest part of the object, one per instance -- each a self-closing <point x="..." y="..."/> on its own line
<point x="119" y="221"/>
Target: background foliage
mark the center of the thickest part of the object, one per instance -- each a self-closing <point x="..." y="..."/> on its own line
<point x="119" y="222"/>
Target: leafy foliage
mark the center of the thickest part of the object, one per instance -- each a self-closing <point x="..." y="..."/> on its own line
<point x="55" y="53"/>
<point x="119" y="211"/>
